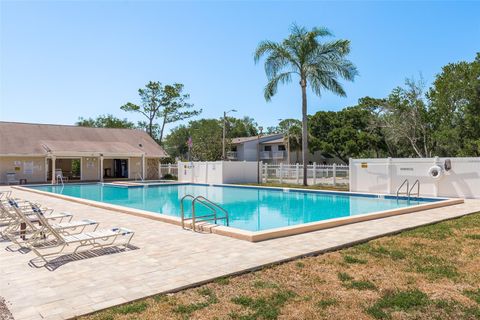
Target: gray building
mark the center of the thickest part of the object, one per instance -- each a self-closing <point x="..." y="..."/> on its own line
<point x="272" y="149"/>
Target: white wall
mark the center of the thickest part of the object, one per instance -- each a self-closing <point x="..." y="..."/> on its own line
<point x="239" y="171"/>
<point x="218" y="172"/>
<point x="386" y="175"/>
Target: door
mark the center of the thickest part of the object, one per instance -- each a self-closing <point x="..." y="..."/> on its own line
<point x="120" y="168"/>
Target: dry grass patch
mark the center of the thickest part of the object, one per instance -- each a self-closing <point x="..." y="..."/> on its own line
<point x="430" y="272"/>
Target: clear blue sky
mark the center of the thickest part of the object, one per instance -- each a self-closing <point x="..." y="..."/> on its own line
<point x="62" y="60"/>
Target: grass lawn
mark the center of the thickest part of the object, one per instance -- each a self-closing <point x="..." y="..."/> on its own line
<point x="431" y="272"/>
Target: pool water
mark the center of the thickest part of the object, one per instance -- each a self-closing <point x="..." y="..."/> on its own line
<point x="252" y="209"/>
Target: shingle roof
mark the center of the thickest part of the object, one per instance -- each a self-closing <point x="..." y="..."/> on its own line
<point x="39" y="139"/>
<point x="264" y="137"/>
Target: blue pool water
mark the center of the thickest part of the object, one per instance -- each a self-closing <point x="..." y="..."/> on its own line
<point x="252" y="209"/>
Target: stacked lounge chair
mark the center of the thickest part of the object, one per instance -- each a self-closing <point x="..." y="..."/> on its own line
<point x="47" y="233"/>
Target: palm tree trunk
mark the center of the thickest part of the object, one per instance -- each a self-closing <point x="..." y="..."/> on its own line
<point x="303" y="84"/>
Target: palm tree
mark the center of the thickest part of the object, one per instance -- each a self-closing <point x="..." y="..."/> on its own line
<point x="318" y="64"/>
<point x="295" y="135"/>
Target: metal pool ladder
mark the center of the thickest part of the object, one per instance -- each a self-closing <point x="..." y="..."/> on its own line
<point x="416" y="183"/>
<point x="60" y="178"/>
<point x="213" y="207"/>
<point x="408" y="191"/>
<point x="401" y="186"/>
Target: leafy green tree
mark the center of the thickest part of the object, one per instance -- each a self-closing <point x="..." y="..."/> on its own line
<point x="244" y="127"/>
<point x="455" y="109"/>
<point x="167" y="103"/>
<point x="206" y="137"/>
<point x="176" y="142"/>
<point x="175" y="106"/>
<point x="105" y="121"/>
<point x="292" y="135"/>
<point x="272" y="130"/>
<point x="315" y="63"/>
<point x="406" y="117"/>
<point x="345" y="134"/>
<point x="404" y="120"/>
<point x="150" y="105"/>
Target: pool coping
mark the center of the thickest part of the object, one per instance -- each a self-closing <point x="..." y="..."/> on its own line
<point x="256" y="236"/>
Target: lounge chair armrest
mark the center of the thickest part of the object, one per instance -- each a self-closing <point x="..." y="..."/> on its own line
<point x="122" y="231"/>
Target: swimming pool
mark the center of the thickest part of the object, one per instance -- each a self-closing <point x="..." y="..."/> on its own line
<point x="250" y="208"/>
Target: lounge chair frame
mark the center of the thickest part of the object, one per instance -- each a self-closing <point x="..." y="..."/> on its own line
<point x="92" y="240"/>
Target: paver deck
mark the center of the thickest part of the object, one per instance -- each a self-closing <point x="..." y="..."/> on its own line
<point x="167" y="258"/>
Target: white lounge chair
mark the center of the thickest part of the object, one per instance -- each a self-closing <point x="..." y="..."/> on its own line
<point x="5" y="194"/>
<point x="88" y="240"/>
<point x="6" y="206"/>
<point x="10" y="220"/>
<point x="38" y="234"/>
<point x="29" y="208"/>
<point x="12" y="179"/>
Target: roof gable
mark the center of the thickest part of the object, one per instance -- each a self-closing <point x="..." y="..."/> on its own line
<point x="40" y="139"/>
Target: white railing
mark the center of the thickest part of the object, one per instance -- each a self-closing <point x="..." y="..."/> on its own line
<point x="168" y="168"/>
<point x="232" y="155"/>
<point x="265" y="155"/>
<point x="278" y="154"/>
<point x="332" y="175"/>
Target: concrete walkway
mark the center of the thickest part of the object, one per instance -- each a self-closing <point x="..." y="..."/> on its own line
<point x="166" y="258"/>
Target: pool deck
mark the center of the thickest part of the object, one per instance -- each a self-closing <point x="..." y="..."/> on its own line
<point x="166" y="258"/>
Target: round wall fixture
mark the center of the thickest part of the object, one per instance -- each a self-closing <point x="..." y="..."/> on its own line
<point x="435" y="172"/>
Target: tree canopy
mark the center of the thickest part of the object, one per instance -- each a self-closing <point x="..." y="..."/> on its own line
<point x="105" y="121"/>
<point x="167" y="103"/>
<point x="317" y="64"/>
<point x="411" y="121"/>
<point x="206" y="135"/>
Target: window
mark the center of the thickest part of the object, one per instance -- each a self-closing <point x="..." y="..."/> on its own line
<point x="268" y="148"/>
<point x="234" y="148"/>
<point x="281" y="148"/>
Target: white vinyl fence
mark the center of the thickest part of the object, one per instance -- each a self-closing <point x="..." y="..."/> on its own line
<point x="168" y="168"/>
<point x="329" y="175"/>
<point x="458" y="177"/>
<point x="218" y="172"/>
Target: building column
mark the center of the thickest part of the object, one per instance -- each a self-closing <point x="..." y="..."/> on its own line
<point x="143" y="166"/>
<point x="101" y="168"/>
<point x="54" y="178"/>
<point x="46" y="169"/>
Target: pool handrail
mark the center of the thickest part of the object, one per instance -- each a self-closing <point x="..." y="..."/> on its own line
<point x="416" y="183"/>
<point x="399" y="188"/>
<point x="208" y="217"/>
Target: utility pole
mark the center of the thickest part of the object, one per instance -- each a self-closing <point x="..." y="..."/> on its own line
<point x="260" y="129"/>
<point x="224" y="130"/>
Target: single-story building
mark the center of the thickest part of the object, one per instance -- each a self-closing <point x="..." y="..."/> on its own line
<point x="38" y="153"/>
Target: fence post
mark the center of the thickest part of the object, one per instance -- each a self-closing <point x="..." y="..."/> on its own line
<point x="297" y="172"/>
<point x="334" y="174"/>
<point x="281" y="173"/>
<point x="435" y="183"/>
<point x="266" y="173"/>
<point x="314" y="173"/>
<point x="206" y="171"/>
<point x="169" y="168"/>
<point x="389" y="175"/>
